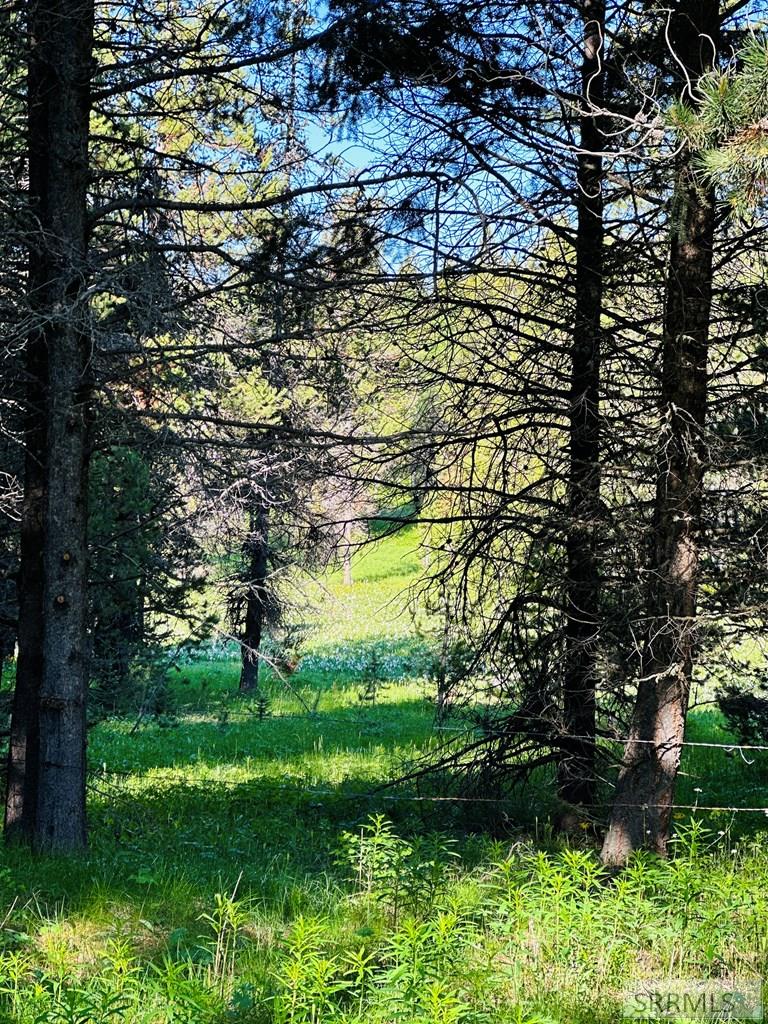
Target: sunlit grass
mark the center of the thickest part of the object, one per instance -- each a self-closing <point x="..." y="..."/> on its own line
<point x="246" y="864"/>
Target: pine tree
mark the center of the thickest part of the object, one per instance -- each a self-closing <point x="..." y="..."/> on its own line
<point x="642" y="805"/>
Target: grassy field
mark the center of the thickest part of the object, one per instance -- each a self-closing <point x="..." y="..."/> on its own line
<point x="244" y="867"/>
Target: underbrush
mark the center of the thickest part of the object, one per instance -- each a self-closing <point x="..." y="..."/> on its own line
<point x="249" y="869"/>
<point x="421" y="930"/>
<point x="246" y="866"/>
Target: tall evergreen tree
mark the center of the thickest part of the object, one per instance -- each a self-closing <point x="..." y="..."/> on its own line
<point x="46" y="794"/>
<point x="583" y="612"/>
<point x="644" y="794"/>
<point x="138" y="160"/>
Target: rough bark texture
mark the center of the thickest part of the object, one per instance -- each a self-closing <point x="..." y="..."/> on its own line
<point x="255" y="602"/>
<point x="60" y="65"/>
<point x="576" y="774"/>
<point x="21" y="791"/>
<point x="645" y="790"/>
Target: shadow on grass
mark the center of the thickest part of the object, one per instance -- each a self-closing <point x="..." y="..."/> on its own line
<point x="161" y="847"/>
<point x="239" y="735"/>
<point x="177" y="815"/>
<point x="206" y="804"/>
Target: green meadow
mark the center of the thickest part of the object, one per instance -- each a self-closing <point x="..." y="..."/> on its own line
<point x="248" y="862"/>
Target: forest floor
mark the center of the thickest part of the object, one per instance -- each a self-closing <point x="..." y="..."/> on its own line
<point x="245" y="867"/>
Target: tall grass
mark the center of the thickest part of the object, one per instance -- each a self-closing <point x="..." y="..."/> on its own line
<point x="407" y="929"/>
<point x="243" y="868"/>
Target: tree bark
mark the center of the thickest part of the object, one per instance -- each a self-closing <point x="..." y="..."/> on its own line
<point x="59" y="72"/>
<point x="256" y="600"/>
<point x="21" y="784"/>
<point x="348" y="578"/>
<point x="642" y="807"/>
<point x="576" y="770"/>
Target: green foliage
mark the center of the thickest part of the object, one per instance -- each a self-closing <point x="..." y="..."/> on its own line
<point x="729" y="126"/>
<point x="123" y="537"/>
<point x="246" y="871"/>
<point x="226" y="920"/>
<point x="746" y="711"/>
<point x="141" y="573"/>
<point x="308" y="979"/>
<point x="402" y="874"/>
<point x="373" y="680"/>
<point x="233" y="877"/>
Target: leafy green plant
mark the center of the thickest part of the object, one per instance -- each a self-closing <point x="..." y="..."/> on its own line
<point x="395" y="871"/>
<point x="374" y="680"/>
<point x="336" y="922"/>
<point x="308" y="979"/>
<point x="359" y="970"/>
<point x="226" y="920"/>
<point x="77" y="1005"/>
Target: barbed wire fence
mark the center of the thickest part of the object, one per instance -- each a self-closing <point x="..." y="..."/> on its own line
<point x="101" y="775"/>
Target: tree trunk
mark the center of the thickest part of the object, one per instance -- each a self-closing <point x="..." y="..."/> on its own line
<point x="348" y="578"/>
<point x="21" y="784"/>
<point x="645" y="790"/>
<point x="60" y="64"/>
<point x="576" y="770"/>
<point x="256" y="600"/>
<point x="442" y="659"/>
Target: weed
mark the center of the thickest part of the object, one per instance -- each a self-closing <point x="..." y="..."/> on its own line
<point x="342" y="914"/>
<point x="227" y="920"/>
